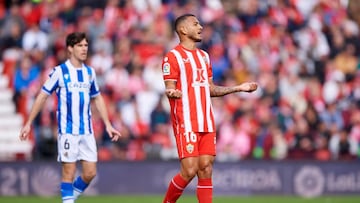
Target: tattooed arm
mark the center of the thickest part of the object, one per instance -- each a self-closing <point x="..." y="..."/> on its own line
<point x="218" y="91"/>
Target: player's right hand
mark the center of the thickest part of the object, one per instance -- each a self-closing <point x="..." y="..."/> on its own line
<point x="173" y="93"/>
<point x="24" y="132"/>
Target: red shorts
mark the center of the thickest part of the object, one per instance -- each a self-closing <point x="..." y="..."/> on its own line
<point x="196" y="143"/>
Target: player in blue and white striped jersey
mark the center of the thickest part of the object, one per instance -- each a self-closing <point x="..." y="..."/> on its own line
<point x="75" y="86"/>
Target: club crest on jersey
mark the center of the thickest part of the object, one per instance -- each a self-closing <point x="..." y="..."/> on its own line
<point x="66" y="76"/>
<point x="190" y="148"/>
<point x="206" y="60"/>
<point x="166" y="69"/>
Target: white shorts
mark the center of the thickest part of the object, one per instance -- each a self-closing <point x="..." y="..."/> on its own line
<point x="72" y="148"/>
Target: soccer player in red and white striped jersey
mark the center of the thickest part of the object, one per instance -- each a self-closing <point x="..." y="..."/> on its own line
<point x="187" y="75"/>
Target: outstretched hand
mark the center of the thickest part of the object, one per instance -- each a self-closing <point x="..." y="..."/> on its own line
<point x="248" y="87"/>
<point x="113" y="133"/>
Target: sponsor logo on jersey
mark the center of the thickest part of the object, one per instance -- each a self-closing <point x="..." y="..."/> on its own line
<point x="187" y="60"/>
<point x="79" y="85"/>
<point x="200" y="79"/>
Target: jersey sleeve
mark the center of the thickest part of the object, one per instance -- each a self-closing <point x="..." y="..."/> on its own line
<point x="170" y="67"/>
<point x="94" y="86"/>
<point x="52" y="83"/>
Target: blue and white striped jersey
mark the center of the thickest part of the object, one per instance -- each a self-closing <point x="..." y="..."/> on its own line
<point x="74" y="88"/>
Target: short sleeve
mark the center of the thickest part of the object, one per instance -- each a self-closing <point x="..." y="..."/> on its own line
<point x="170" y="67"/>
<point x="94" y="86"/>
<point x="52" y="82"/>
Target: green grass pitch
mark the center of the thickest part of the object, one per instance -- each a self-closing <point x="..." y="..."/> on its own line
<point x="184" y="199"/>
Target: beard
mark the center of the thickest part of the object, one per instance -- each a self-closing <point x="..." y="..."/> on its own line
<point x="196" y="39"/>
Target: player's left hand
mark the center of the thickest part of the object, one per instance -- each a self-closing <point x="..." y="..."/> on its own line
<point x="248" y="86"/>
<point x="113" y="134"/>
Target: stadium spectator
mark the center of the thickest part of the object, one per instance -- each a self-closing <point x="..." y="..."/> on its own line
<point x="24" y="75"/>
<point x="342" y="146"/>
<point x="234" y="143"/>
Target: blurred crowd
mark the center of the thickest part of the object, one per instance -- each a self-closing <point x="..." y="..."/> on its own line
<point x="304" y="55"/>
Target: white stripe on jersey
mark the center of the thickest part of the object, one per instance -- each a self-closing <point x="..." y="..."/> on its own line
<point x="207" y="93"/>
<point x="185" y="96"/>
<point x="75" y="102"/>
<point x="199" y="111"/>
<point x="62" y="107"/>
<point x="87" y="114"/>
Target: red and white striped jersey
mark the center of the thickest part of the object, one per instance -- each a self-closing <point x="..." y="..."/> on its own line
<point x="191" y="69"/>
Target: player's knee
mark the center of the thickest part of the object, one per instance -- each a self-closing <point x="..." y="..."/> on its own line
<point x="89" y="175"/>
<point x="205" y="166"/>
<point x="190" y="172"/>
